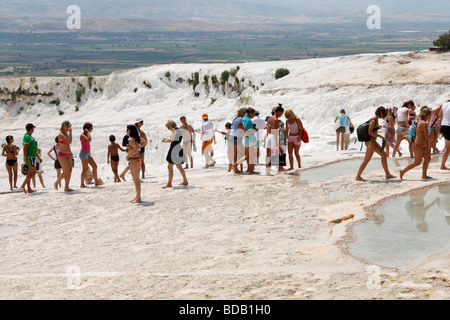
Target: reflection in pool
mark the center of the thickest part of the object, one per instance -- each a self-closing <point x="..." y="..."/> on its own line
<point x="406" y="230"/>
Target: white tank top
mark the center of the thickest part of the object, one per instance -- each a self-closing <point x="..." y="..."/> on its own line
<point x="446" y="114"/>
<point x="401" y="114"/>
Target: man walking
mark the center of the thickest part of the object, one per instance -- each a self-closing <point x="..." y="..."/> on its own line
<point x="208" y="138"/>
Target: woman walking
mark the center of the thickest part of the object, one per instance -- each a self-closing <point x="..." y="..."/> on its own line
<point x="294" y="130"/>
<point x="420" y="145"/>
<point x="175" y="156"/>
<point x="134" y="157"/>
<point x="390" y="131"/>
<point x="57" y="165"/>
<point x="373" y="146"/>
<point x="65" y="156"/>
<point x="85" y="155"/>
<point x="10" y="151"/>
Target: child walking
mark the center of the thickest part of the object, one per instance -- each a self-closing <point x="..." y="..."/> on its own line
<point x="420" y="145"/>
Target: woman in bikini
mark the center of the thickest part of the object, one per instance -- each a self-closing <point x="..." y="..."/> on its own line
<point x="54" y="150"/>
<point x="10" y="151"/>
<point x="294" y="130"/>
<point x="113" y="154"/>
<point x="420" y="145"/>
<point x="373" y="146"/>
<point x="65" y="155"/>
<point x="134" y="157"/>
<point x="390" y="131"/>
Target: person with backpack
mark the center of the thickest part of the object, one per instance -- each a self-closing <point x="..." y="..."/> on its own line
<point x="421" y="139"/>
<point x="370" y="134"/>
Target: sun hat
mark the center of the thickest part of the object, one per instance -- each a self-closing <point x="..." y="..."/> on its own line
<point x="139" y="119"/>
<point x="204" y="116"/>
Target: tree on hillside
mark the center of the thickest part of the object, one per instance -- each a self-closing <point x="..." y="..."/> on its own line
<point x="443" y="41"/>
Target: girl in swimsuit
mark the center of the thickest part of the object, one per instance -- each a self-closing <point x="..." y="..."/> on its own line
<point x="113" y="154"/>
<point x="10" y="151"/>
<point x="230" y="144"/>
<point x="57" y="165"/>
<point x="134" y="158"/>
<point x="420" y="145"/>
<point x="373" y="146"/>
<point x="39" y="170"/>
<point x="294" y="130"/>
<point x="85" y="155"/>
<point x="65" y="155"/>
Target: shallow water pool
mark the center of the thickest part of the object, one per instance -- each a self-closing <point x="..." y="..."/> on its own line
<point x="406" y="230"/>
<point x="343" y="168"/>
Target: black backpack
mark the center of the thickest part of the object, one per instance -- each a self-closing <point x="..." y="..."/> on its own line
<point x="363" y="131"/>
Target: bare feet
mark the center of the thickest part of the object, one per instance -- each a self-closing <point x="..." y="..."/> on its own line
<point x="390" y="176"/>
<point x="444" y="168"/>
<point x="401" y="174"/>
<point x="55" y="185"/>
<point x="122" y="177"/>
<point x="167" y="186"/>
<point x="184" y="183"/>
<point x="23" y="190"/>
<point x="360" y="179"/>
<point x="31" y="191"/>
<point x="68" y="190"/>
<point x="426" y="178"/>
<point x="280" y="169"/>
<point x="83" y="186"/>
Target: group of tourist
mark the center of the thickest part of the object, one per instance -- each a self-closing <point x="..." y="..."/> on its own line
<point x="245" y="136"/>
<point x="421" y="130"/>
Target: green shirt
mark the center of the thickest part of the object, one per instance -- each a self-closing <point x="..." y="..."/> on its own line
<point x="32" y="146"/>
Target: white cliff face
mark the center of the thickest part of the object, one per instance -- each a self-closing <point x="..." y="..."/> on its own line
<point x="315" y="90"/>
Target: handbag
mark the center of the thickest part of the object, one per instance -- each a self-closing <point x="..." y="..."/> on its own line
<point x="305" y="136"/>
<point x="24" y="169"/>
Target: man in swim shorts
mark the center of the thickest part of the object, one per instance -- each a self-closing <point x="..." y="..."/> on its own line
<point x="29" y="157"/>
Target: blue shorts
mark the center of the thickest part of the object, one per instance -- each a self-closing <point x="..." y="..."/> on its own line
<point x="84" y="155"/>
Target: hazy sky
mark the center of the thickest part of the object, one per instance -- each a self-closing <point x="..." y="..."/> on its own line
<point x="272" y="10"/>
